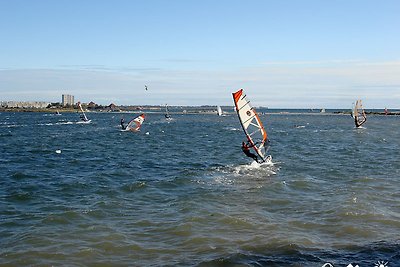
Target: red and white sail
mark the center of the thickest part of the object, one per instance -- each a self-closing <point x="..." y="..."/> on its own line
<point x="251" y="124"/>
<point x="135" y="124"/>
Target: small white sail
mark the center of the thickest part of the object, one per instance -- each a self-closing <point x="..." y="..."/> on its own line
<point x="358" y="114"/>
<point x="167" y="115"/>
<point x="219" y="111"/>
<point x="83" y="117"/>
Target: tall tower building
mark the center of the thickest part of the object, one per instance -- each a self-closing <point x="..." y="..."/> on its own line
<point x="67" y="100"/>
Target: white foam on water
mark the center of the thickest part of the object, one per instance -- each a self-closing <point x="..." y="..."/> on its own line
<point x="255" y="168"/>
<point x="65" y="123"/>
<point x="232" y="129"/>
<point x="84" y="122"/>
<point x="359" y="128"/>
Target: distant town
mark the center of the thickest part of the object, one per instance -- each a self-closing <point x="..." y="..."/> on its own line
<point x="68" y="104"/>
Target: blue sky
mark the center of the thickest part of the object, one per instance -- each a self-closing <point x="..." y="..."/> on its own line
<point x="285" y="54"/>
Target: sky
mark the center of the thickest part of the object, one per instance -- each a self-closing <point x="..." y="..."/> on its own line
<point x="283" y="53"/>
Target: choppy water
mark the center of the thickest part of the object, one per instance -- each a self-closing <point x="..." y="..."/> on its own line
<point x="182" y="193"/>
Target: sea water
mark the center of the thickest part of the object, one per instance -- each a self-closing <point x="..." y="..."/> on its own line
<point x="181" y="192"/>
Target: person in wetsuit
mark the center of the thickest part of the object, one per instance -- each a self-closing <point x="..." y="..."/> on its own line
<point x="246" y="150"/>
<point x="83" y="117"/>
<point x="123" y="124"/>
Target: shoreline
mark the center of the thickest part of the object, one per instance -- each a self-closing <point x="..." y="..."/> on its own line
<point x="191" y="111"/>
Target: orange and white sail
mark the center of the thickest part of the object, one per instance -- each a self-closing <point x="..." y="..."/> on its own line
<point x="135" y="124"/>
<point x="252" y="126"/>
<point x="358" y="114"/>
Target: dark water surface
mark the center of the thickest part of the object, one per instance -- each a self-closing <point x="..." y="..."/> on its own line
<point x="182" y="194"/>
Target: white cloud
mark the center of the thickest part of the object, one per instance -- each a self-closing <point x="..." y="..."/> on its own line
<point x="330" y="84"/>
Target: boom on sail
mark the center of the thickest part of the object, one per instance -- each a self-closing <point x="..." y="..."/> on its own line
<point x="253" y="128"/>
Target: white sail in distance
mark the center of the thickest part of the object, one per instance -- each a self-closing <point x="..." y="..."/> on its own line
<point x="167" y="115"/>
<point x="219" y="111"/>
<point x="83" y="117"/>
<point x="358" y="114"/>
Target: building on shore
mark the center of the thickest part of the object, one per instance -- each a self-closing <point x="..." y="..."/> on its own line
<point x="24" y="104"/>
<point x="67" y="100"/>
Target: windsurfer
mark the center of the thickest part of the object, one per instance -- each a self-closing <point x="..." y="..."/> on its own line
<point x="358" y="124"/>
<point x="123" y="124"/>
<point x="246" y="150"/>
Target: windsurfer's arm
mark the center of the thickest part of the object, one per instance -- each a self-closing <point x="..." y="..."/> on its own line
<point x="252" y="145"/>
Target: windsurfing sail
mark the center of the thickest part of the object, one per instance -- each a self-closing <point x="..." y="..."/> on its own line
<point x="83" y="115"/>
<point x="167" y="115"/>
<point x="219" y="111"/>
<point x="252" y="126"/>
<point x="135" y="124"/>
<point x="358" y="114"/>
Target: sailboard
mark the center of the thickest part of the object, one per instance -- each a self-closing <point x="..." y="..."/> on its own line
<point x="83" y="117"/>
<point x="358" y="114"/>
<point x="167" y="115"/>
<point x="135" y="124"/>
<point x="252" y="126"/>
<point x="219" y="111"/>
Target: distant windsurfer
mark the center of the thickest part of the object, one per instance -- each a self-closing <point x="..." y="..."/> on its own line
<point x="246" y="150"/>
<point x="123" y="124"/>
<point x="359" y="123"/>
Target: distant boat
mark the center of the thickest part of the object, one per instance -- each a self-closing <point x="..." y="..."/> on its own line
<point x="253" y="128"/>
<point x="322" y="110"/>
<point x="358" y="114"/>
<point x="219" y="111"/>
<point x="167" y="115"/>
<point x="58" y="113"/>
<point x="135" y="124"/>
<point x="83" y="117"/>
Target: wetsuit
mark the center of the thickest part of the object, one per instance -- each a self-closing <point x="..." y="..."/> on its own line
<point x="246" y="150"/>
<point x="122" y="124"/>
